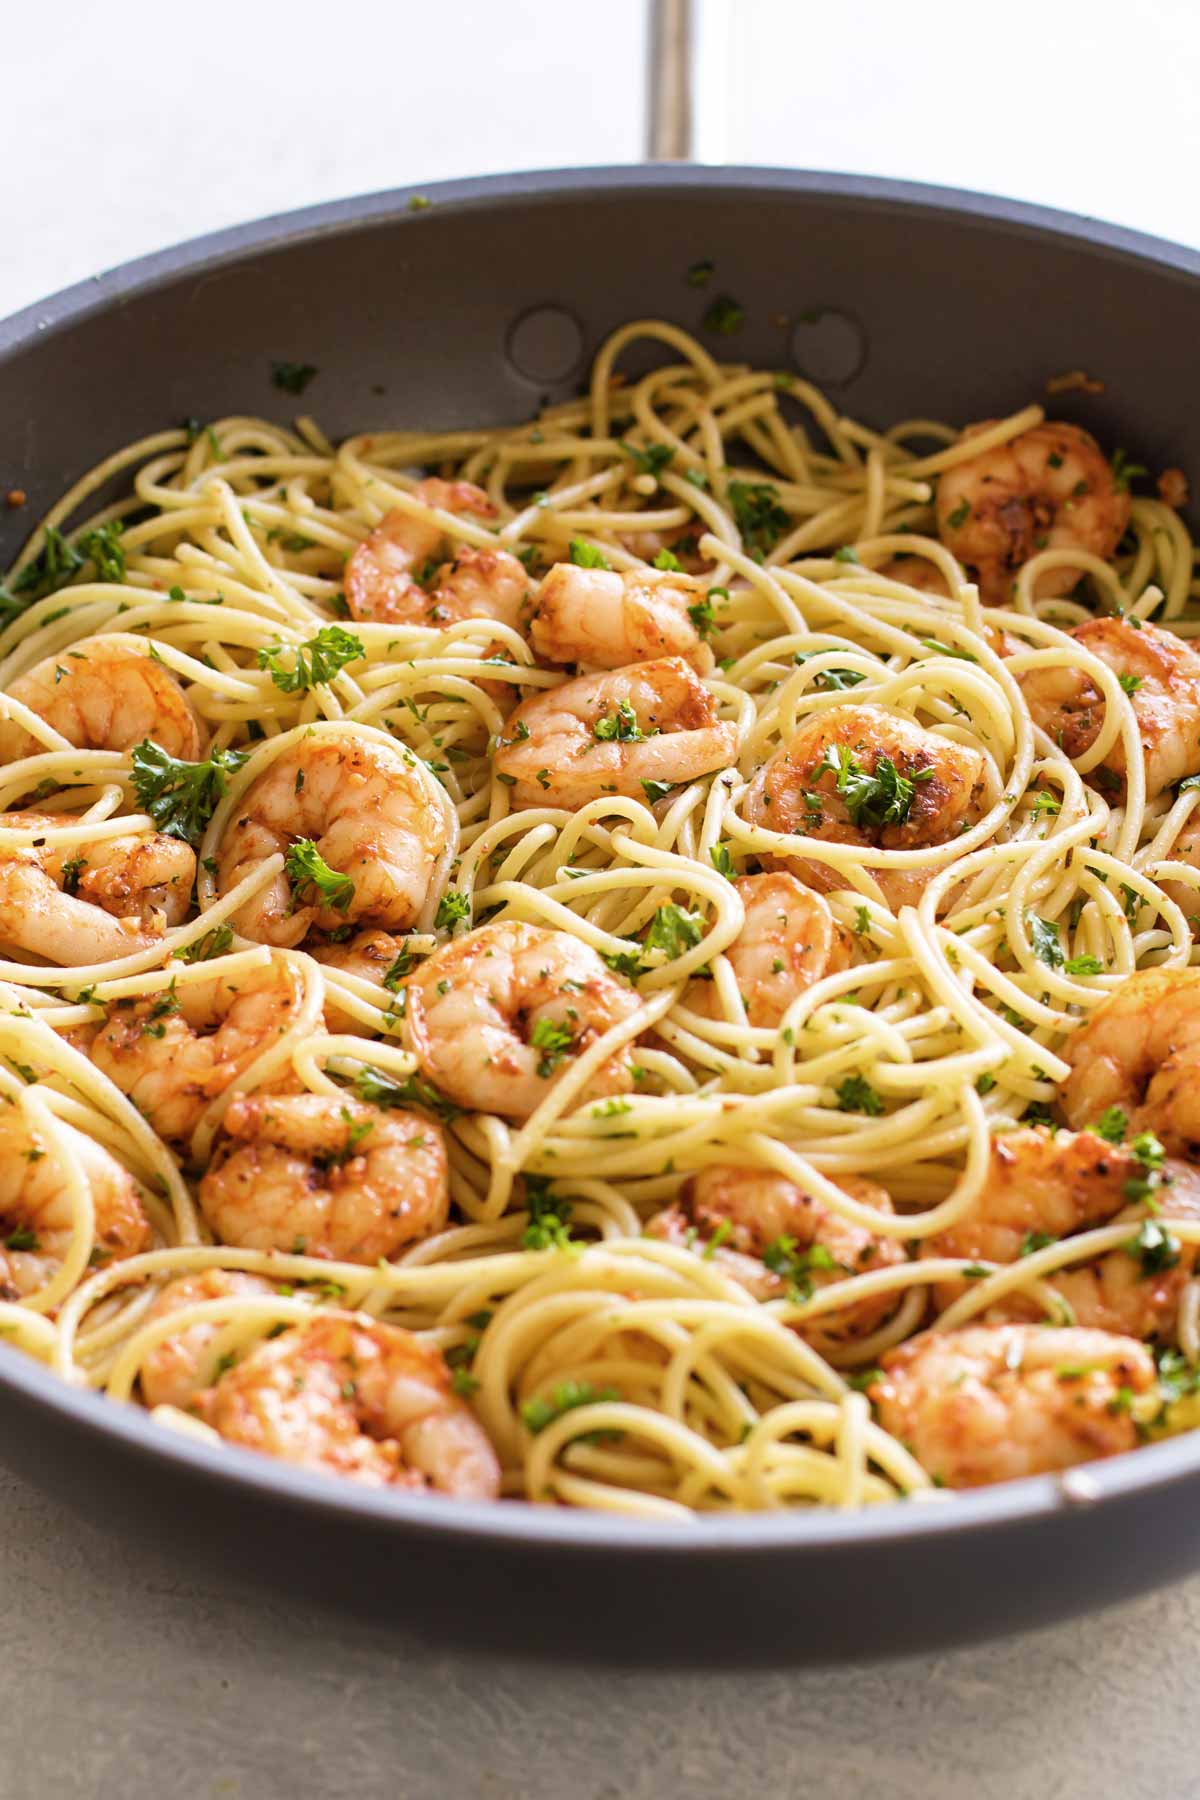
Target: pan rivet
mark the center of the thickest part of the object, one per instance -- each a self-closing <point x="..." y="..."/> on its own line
<point x="545" y="344"/>
<point x="828" y="345"/>
<point x="1078" y="1488"/>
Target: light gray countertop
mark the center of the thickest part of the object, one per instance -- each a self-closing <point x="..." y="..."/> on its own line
<point x="124" y="1673"/>
<point x="126" y="1676"/>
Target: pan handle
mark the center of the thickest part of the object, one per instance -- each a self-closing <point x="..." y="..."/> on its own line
<point x="686" y="90"/>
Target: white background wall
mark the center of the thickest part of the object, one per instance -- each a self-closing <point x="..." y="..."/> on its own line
<point x="130" y="125"/>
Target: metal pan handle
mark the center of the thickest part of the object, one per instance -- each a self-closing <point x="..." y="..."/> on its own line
<point x="686" y="89"/>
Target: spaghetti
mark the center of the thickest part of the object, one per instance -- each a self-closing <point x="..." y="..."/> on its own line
<point x="872" y="735"/>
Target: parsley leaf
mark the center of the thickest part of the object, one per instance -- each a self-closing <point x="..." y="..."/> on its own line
<point x="1112" y="1125"/>
<point x="104" y="550"/>
<point x="621" y="725"/>
<point x="781" y="1258"/>
<point x="541" y="1411"/>
<point x="1155" y="1247"/>
<point x="453" y="908"/>
<point x="214" y="943"/>
<point x="292" y="377"/>
<point x="296" y="667"/>
<point x="652" y="459"/>
<point x="759" y="517"/>
<point x="722" y="862"/>
<point x="725" y="316"/>
<point x="305" y="867"/>
<point x="554" y="1041"/>
<point x="855" y="1094"/>
<point x="586" y="556"/>
<point x="378" y="1089"/>
<point x="548" y="1215"/>
<point x="50" y="569"/>
<point x="674" y="930"/>
<point x="181" y="797"/>
<point x="884" y="798"/>
<point x="1083" y="965"/>
<point x="1043" y="935"/>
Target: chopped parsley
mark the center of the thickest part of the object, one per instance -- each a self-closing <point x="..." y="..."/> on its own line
<point x="297" y="667"/>
<point x="214" y="943"/>
<point x="1083" y="965"/>
<point x="1124" y="471"/>
<point x="882" y="798"/>
<point x="831" y="679"/>
<point x="650" y="460"/>
<point x="674" y="930"/>
<point x="759" y="517"/>
<point x="292" y="377"/>
<point x="1043" y="935"/>
<point x="701" y="615"/>
<point x="657" y="790"/>
<point x="181" y="797"/>
<point x="1155" y="1247"/>
<point x="1112" y="1125"/>
<point x="722" y="862"/>
<point x="307" y="870"/>
<point x="781" y="1258"/>
<point x="725" y="316"/>
<point x="667" y="562"/>
<point x="959" y="516"/>
<point x="453" y="908"/>
<point x="565" y="1397"/>
<point x="621" y="725"/>
<point x="553" y="1041"/>
<point x="855" y="1094"/>
<point x="104" y="550"/>
<point x="548" y="1217"/>
<point x="700" y="273"/>
<point x="586" y="556"/>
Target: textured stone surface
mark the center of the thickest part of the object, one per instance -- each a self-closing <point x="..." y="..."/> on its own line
<point x="124" y="1676"/>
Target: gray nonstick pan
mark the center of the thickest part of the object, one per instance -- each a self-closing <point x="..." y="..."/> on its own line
<point x="477" y="306"/>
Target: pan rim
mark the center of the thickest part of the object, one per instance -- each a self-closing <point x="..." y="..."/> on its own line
<point x="215" y="249"/>
<point x="548" y="1529"/>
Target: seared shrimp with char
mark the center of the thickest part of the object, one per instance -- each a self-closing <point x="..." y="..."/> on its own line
<point x="325" y="1177"/>
<point x="498" y="1016"/>
<point x="400" y="575"/>
<point x="861" y="776"/>
<point x="607" y="618"/>
<point x="613" y="733"/>
<point x="1050" y="488"/>
<point x="373" y="818"/>
<point x="354" y="1397"/>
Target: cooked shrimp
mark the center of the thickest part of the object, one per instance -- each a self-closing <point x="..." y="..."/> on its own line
<point x="609" y="619"/>
<point x="371" y="817"/>
<point x="92" y="902"/>
<point x="1140" y="1051"/>
<point x="790" y="940"/>
<point x="916" y="572"/>
<point x="925" y="788"/>
<point x="35" y="1208"/>
<point x="1043" y="1185"/>
<point x="325" y="1177"/>
<point x="611" y="733"/>
<point x="175" y="1370"/>
<point x="757" y="1213"/>
<point x="496" y="1016"/>
<point x="396" y="575"/>
<point x="995" y="1402"/>
<point x="369" y="954"/>
<point x="175" y="1052"/>
<point x="1164" y="675"/>
<point x="105" y="693"/>
<point x="354" y="1397"/>
<point x="1051" y="488"/>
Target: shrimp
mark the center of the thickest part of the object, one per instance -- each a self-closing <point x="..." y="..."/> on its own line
<point x="995" y="1402"/>
<point x="860" y="775"/>
<point x="35" y="1208"/>
<point x="327" y="1177"/>
<point x="789" y="941"/>
<point x="496" y="1017"/>
<point x="1041" y="1186"/>
<point x="1140" y="1051"/>
<point x="371" y="816"/>
<point x="612" y="733"/>
<point x="1163" y="676"/>
<point x="916" y="572"/>
<point x="1050" y="488"/>
<point x="608" y="619"/>
<point x="175" y="1370"/>
<point x="176" y="1052"/>
<point x="354" y="1397"/>
<point x="105" y="693"/>
<point x="370" y="955"/>
<point x="395" y="576"/>
<point x="763" y="1220"/>
<point x="91" y="902"/>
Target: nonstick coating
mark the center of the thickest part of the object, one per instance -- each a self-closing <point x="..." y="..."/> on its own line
<point x="906" y="301"/>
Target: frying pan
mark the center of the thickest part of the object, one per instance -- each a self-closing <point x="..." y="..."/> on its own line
<point x="901" y="300"/>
